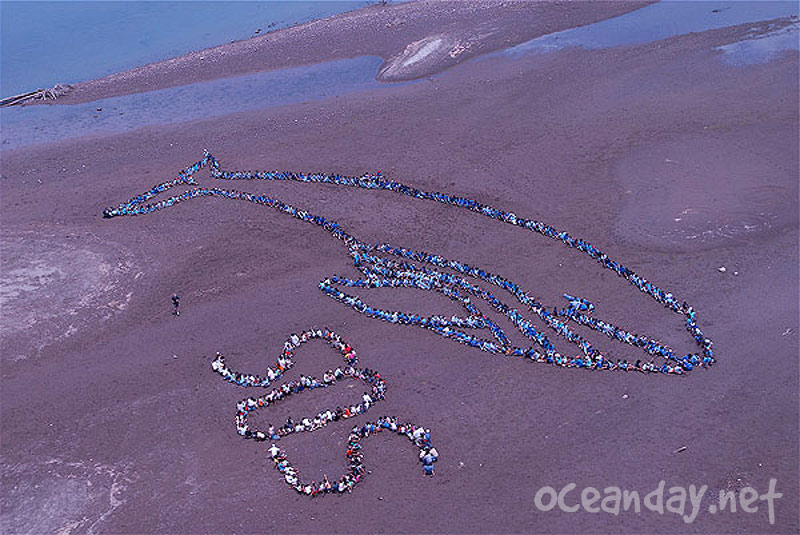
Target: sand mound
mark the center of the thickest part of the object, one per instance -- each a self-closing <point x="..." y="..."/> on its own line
<point x="426" y="56"/>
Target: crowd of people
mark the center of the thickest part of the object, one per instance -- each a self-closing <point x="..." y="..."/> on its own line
<point x="376" y="388"/>
<point x="385" y="266"/>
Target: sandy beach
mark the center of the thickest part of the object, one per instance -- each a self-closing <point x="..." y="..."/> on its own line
<point x="668" y="158"/>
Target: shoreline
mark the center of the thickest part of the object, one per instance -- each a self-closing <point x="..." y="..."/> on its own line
<point x="136" y="117"/>
<point x="396" y="33"/>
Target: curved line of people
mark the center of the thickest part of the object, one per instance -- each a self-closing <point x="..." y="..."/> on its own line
<point x="418" y="435"/>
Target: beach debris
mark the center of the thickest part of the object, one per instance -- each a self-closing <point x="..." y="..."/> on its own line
<point x="681" y="449"/>
<point x="722" y="269"/>
<point x="459" y="49"/>
<point x="51" y="93"/>
<point x="787" y="331"/>
<point x="625" y="396"/>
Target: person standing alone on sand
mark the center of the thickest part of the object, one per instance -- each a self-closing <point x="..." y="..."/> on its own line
<point x="175" y="303"/>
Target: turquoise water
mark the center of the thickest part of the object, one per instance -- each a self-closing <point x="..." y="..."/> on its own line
<point x="44" y="43"/>
<point x="663" y="20"/>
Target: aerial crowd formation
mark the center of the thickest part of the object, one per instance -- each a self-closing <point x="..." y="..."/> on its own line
<point x="419" y="436"/>
<point x="420" y="270"/>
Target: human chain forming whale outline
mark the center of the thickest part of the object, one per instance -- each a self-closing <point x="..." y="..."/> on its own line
<point x="416" y="269"/>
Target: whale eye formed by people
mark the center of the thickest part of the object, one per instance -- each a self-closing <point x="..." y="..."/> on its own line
<point x="382" y="265"/>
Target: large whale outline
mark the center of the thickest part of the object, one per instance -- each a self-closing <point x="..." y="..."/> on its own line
<point x="415" y="269"/>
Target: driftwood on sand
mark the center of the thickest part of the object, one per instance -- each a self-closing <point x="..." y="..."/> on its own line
<point x="51" y="93"/>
